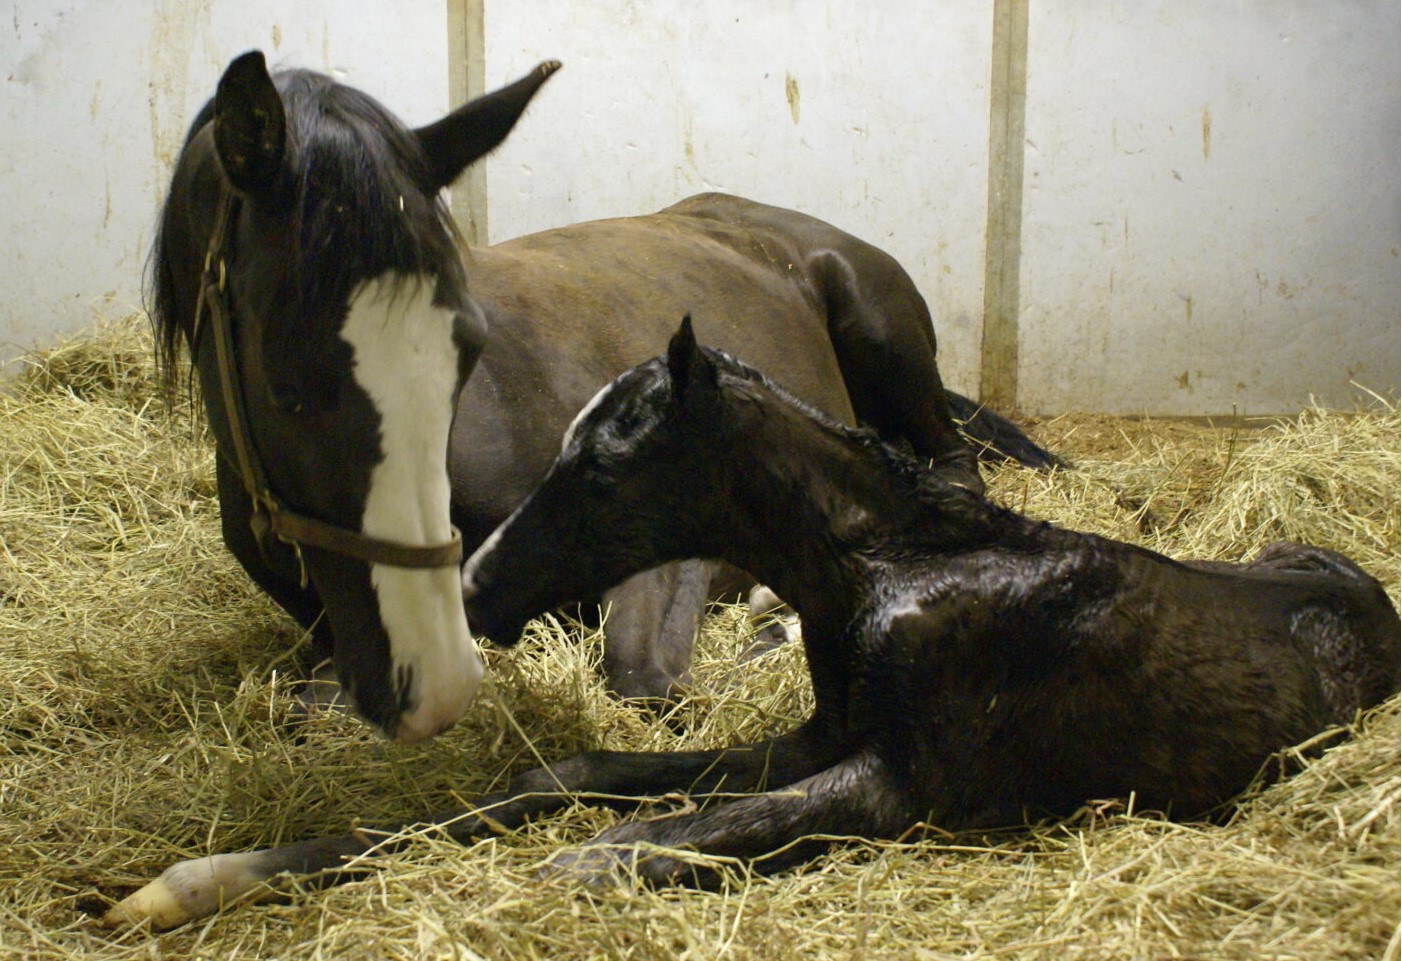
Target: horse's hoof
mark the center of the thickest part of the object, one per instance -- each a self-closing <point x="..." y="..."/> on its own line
<point x="769" y="638"/>
<point x="157" y="904"/>
<point x="653" y="689"/>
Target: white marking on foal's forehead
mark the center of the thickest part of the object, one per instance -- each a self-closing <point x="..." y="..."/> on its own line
<point x="568" y="440"/>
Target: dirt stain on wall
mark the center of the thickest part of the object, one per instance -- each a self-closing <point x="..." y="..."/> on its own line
<point x="791" y="95"/>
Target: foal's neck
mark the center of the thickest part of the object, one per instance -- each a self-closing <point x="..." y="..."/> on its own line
<point x="814" y="499"/>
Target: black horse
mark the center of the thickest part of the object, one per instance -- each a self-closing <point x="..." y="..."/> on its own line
<point x="970" y="667"/>
<point x="335" y="321"/>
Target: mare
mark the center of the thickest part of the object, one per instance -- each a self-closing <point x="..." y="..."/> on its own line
<point x="336" y="320"/>
<point x="971" y="667"/>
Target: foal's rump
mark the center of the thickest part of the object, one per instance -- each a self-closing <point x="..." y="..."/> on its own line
<point x="1347" y="623"/>
<point x="1115" y="671"/>
<point x="1336" y="614"/>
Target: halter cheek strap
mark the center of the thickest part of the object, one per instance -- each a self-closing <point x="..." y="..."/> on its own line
<point x="270" y="515"/>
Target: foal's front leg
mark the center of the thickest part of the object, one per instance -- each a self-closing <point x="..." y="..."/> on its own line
<point x="195" y="888"/>
<point x="776" y="830"/>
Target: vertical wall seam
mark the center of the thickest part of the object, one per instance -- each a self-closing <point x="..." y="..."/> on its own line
<point x="1003" y="245"/>
<point x="467" y="78"/>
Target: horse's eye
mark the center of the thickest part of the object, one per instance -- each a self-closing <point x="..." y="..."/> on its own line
<point x="287" y="399"/>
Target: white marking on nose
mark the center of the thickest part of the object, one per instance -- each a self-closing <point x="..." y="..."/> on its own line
<point x="406" y="361"/>
<point x="469" y="587"/>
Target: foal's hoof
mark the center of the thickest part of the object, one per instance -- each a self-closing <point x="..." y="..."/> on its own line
<point x="594" y="866"/>
<point x="600" y="864"/>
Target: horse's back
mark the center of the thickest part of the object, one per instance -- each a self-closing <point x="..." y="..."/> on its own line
<point x="571" y="308"/>
<point x="608" y="293"/>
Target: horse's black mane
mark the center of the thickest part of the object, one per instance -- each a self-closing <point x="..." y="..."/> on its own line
<point x="353" y="194"/>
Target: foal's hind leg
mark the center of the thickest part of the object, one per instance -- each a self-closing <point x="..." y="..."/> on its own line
<point x="782" y="828"/>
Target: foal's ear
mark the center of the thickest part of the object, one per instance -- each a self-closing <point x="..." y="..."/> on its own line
<point x="250" y="127"/>
<point x="693" y="374"/>
<point x="477" y="127"/>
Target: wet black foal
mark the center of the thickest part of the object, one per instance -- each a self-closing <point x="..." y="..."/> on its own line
<point x="971" y="667"/>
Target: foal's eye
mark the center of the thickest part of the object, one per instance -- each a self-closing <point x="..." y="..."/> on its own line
<point x="595" y="472"/>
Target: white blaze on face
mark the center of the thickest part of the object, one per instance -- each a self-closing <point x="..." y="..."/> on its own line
<point x="406" y="361"/>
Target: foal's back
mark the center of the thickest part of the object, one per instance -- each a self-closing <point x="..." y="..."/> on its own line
<point x="1082" y="667"/>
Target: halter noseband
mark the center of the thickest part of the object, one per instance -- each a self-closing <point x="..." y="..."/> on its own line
<point x="270" y="515"/>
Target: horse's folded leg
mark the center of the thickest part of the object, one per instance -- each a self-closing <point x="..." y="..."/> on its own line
<point x="652" y="622"/>
<point x="320" y="692"/>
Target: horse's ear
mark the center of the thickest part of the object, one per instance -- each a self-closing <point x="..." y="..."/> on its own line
<point x="250" y="127"/>
<point x="693" y="373"/>
<point x="477" y="127"/>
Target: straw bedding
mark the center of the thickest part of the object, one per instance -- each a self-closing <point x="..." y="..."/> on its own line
<point x="144" y="718"/>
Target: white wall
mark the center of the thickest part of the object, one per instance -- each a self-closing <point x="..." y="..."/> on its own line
<point x="98" y="96"/>
<point x="886" y="135"/>
<point x="1211" y="190"/>
<point x="1211" y="205"/>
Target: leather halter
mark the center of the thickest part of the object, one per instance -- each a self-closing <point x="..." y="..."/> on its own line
<point x="270" y="515"/>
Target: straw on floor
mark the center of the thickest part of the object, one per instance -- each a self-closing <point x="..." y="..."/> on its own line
<point x="145" y="718"/>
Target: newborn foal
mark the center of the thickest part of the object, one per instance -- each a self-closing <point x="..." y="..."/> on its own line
<point x="970" y="667"/>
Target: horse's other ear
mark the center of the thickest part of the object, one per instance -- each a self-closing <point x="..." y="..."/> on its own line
<point x="250" y="127"/>
<point x="692" y="372"/>
<point x="477" y="127"/>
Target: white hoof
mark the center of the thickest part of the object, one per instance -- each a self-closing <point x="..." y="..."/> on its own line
<point x="188" y="890"/>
